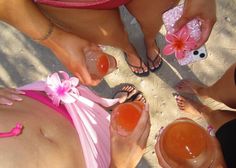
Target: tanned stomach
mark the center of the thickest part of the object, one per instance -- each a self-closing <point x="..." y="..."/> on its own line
<point x="48" y="140"/>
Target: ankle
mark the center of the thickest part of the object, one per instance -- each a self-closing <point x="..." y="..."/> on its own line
<point x="150" y="42"/>
<point x="204" y="110"/>
<point x="152" y="48"/>
<point x="201" y="92"/>
<point x="131" y="55"/>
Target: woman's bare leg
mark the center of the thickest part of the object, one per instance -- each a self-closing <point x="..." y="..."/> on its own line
<point x="149" y="15"/>
<point x="215" y="118"/>
<point x="223" y="90"/>
<point x="98" y="26"/>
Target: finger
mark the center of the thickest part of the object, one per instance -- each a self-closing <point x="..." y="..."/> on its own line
<point x="114" y="132"/>
<point x="160" y="159"/>
<point x="141" y="125"/>
<point x="92" y="47"/>
<point x="80" y="78"/>
<point x="4" y="91"/>
<point x="219" y="155"/>
<point x="14" y="90"/>
<point x="5" y="101"/>
<point x="206" y="29"/>
<point x="144" y="138"/>
<point x="113" y="126"/>
<point x="19" y="92"/>
<point x="12" y="97"/>
<point x="181" y="23"/>
<point x="11" y="94"/>
<point x="96" y="47"/>
<point x="85" y="77"/>
<point x="84" y="74"/>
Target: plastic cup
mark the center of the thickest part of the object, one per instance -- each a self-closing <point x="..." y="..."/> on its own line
<point x="100" y="64"/>
<point x="184" y="143"/>
<point x="126" y="116"/>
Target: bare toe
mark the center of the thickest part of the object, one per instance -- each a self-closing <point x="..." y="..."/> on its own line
<point x="125" y="93"/>
<point x="136" y="65"/>
<point x="140" y="97"/>
<point x="129" y="88"/>
<point x="188" y="106"/>
<point x="154" y="63"/>
<point x="187" y="86"/>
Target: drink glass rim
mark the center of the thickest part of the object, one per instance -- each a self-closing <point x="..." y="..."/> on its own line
<point x="210" y="143"/>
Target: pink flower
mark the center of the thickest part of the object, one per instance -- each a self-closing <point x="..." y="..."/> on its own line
<point x="179" y="43"/>
<point x="62" y="89"/>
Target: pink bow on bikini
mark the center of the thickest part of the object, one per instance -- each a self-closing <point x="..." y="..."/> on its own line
<point x="62" y="90"/>
<point x="89" y="118"/>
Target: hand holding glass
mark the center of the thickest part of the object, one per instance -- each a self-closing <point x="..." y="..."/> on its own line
<point x="100" y="64"/>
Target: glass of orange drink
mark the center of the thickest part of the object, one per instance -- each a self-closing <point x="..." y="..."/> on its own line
<point x="185" y="144"/>
<point x="100" y="64"/>
<point x="125" y="116"/>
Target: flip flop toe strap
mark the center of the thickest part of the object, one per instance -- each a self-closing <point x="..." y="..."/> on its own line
<point x="134" y="66"/>
<point x="158" y="56"/>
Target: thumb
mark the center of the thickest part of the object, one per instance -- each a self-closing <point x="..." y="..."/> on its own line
<point x="180" y="23"/>
<point x="85" y="77"/>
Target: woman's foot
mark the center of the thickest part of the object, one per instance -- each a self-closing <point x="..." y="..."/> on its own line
<point x="136" y="65"/>
<point x="188" y="105"/>
<point x="153" y="56"/>
<point x="129" y="93"/>
<point x="187" y="86"/>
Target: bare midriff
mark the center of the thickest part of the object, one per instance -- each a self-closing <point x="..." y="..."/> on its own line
<point x="48" y="139"/>
<point x="97" y="26"/>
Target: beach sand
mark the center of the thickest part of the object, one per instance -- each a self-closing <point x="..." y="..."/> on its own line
<point x="23" y="61"/>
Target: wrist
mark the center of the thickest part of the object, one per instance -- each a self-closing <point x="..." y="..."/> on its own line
<point x="36" y="25"/>
<point x="46" y="34"/>
<point x="51" y="37"/>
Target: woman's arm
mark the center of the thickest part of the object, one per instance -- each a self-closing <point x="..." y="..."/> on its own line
<point x="25" y="16"/>
<point x="69" y="48"/>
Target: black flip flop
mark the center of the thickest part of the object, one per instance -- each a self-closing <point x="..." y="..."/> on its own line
<point x="128" y="97"/>
<point x="140" y="74"/>
<point x="153" y="63"/>
<point x="133" y="98"/>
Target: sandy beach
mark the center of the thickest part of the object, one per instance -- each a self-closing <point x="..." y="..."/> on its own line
<point x="23" y="61"/>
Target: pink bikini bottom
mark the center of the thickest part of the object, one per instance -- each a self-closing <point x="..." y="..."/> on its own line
<point x="41" y="97"/>
<point x="95" y="4"/>
<point x="90" y="119"/>
<point x="44" y="99"/>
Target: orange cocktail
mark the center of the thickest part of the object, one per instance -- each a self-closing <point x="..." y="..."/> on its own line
<point x="184" y="140"/>
<point x="100" y="64"/>
<point x="126" y="116"/>
<point x="184" y="143"/>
